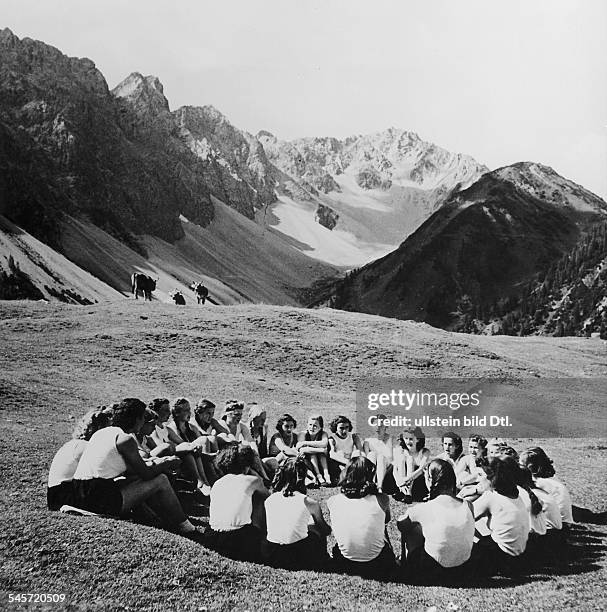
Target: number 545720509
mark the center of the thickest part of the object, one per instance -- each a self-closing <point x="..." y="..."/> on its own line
<point x="36" y="597"/>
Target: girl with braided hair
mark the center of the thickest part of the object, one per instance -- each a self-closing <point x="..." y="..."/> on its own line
<point x="297" y="532"/>
<point x="358" y="517"/>
<point x="438" y="534"/>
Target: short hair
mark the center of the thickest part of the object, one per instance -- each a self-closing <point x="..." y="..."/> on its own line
<point x="178" y="404"/>
<point x="291" y="476"/>
<point x="150" y="415"/>
<point x="283" y="419"/>
<point x="442" y="478"/>
<point x="418" y="433"/>
<point x="508" y="451"/>
<point x="358" y="479"/>
<point x="455" y="437"/>
<point x="234" y="459"/>
<point x="482" y="442"/>
<point x="203" y="405"/>
<point x="128" y="411"/>
<point x="538" y="462"/>
<point x="157" y="402"/>
<point x="92" y="421"/>
<point x="318" y="418"/>
<point x="340" y="419"/>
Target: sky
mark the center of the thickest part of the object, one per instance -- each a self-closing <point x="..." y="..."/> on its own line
<point x="501" y="80"/>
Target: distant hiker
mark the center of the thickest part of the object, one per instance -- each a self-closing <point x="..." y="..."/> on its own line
<point x="178" y="297"/>
<point x="202" y="293"/>
<point x="143" y="283"/>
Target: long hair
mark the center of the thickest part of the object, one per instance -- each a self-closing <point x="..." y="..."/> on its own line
<point x="92" y="421"/>
<point x="291" y="476"/>
<point x="357" y="481"/>
<point x="442" y="478"/>
<point x="538" y="462"/>
<point x="525" y="481"/>
<point x="502" y="474"/>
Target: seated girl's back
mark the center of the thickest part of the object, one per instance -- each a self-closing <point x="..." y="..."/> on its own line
<point x="232" y="501"/>
<point x="448" y="528"/>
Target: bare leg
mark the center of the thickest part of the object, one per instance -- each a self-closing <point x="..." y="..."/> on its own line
<point x="380" y="473"/>
<point x="324" y="466"/>
<point x="190" y="468"/>
<point x="158" y="494"/>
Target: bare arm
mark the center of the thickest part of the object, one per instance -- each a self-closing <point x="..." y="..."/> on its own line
<point x="127" y="447"/>
<point x="480" y="507"/>
<point x="420" y="470"/>
<point x="384" y="503"/>
<point x="319" y="520"/>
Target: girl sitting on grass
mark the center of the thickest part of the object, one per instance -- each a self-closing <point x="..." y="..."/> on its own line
<point x="313" y="446"/>
<point x="542" y="470"/>
<point x="237" y="520"/>
<point x="297" y="531"/>
<point x="259" y="429"/>
<point x="113" y="479"/>
<point x="410" y="458"/>
<point x="206" y="425"/>
<point x="379" y="451"/>
<point x="508" y="518"/>
<point x="343" y="446"/>
<point x="191" y="444"/>
<point x="60" y="490"/>
<point x="283" y="443"/>
<point x="438" y="534"/>
<point x="473" y="478"/>
<point x="359" y="515"/>
<point x="235" y="431"/>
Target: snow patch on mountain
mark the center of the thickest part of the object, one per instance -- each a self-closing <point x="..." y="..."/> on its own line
<point x="337" y="247"/>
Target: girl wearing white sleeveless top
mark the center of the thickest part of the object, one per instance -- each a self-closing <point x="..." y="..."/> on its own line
<point x="343" y="445"/>
<point x="237" y="519"/>
<point x="112" y="453"/>
<point x="507" y="518"/>
<point x="65" y="462"/>
<point x="358" y="518"/>
<point x="297" y="531"/>
<point x="438" y="534"/>
<point x="379" y="451"/>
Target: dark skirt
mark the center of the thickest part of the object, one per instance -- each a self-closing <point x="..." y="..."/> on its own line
<point x="99" y="495"/>
<point x="489" y="559"/>
<point x="240" y="544"/>
<point x="60" y="495"/>
<point x="380" y="568"/>
<point x="309" y="553"/>
<point x="421" y="568"/>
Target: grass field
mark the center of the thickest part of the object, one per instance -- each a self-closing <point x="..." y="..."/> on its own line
<point x="57" y="361"/>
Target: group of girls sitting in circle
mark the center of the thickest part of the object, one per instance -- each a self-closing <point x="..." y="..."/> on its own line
<point x="467" y="514"/>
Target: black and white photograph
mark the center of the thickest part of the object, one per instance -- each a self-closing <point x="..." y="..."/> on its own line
<point x="303" y="305"/>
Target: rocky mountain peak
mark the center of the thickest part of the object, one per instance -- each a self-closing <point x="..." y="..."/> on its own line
<point x="146" y="92"/>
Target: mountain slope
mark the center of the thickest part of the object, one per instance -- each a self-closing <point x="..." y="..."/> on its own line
<point x="377" y="188"/>
<point x="476" y="250"/>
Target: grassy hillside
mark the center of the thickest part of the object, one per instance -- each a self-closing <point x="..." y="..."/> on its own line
<point x="57" y="361"/>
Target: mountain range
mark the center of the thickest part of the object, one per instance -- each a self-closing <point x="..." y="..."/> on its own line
<point x="96" y="183"/>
